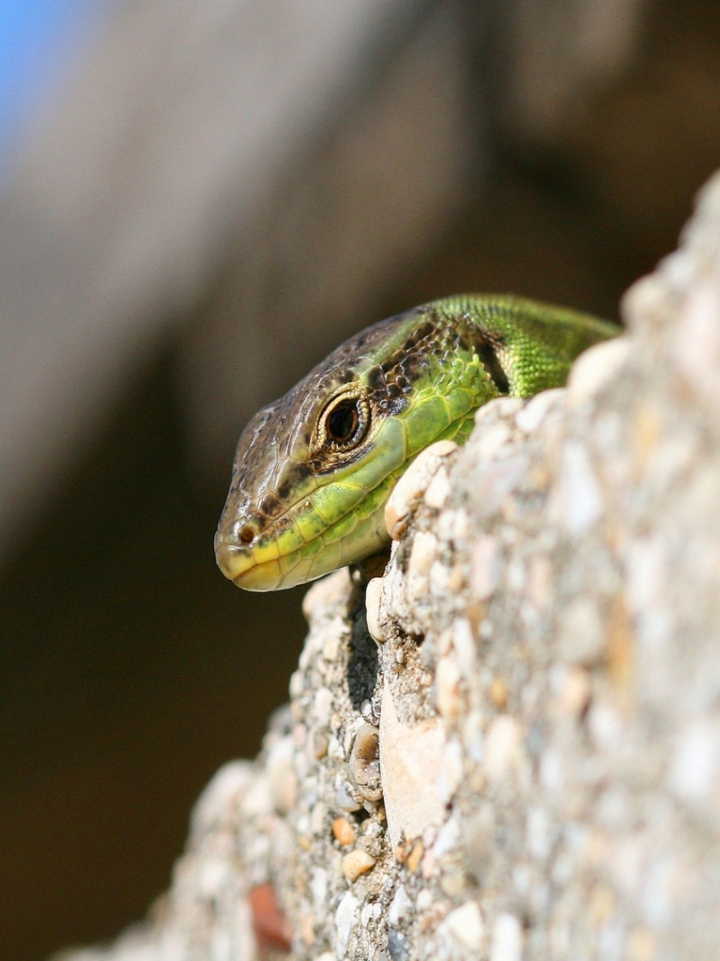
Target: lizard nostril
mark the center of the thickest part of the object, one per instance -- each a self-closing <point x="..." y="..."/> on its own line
<point x="247" y="534"/>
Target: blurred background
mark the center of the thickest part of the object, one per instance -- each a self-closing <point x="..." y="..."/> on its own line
<point x="198" y="200"/>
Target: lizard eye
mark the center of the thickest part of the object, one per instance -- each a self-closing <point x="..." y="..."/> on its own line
<point x="345" y="422"/>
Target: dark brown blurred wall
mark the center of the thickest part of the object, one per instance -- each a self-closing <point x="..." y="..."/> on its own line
<point x="130" y="669"/>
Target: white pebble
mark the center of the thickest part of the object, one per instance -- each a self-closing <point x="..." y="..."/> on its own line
<point x="448" y="677"/>
<point x="325" y="593"/>
<point x="400" y="906"/>
<point x="492" y="441"/>
<point x="595" y="368"/>
<point x="344" y="919"/>
<point x="227" y="786"/>
<point x="582" y="634"/>
<point x="413" y="484"/>
<point x="697" y="339"/>
<point x="297" y="684"/>
<point x="322" y="706"/>
<point x="451" y="772"/>
<point x="448" y="838"/>
<point x="605" y="726"/>
<point x="506" y="938"/>
<point x="582" y="498"/>
<point x="502" y="744"/>
<point x="318" y="816"/>
<point x="439" y="577"/>
<point x="278" y="767"/>
<point x="694" y="767"/>
<point x="500" y="407"/>
<point x="214" y="874"/>
<point x="466" y="926"/>
<point x="410" y="763"/>
<point x="539" y="833"/>
<point x="438" y="490"/>
<point x="424" y="900"/>
<point x="552" y="774"/>
<point x="464" y="644"/>
<point x="318" y="887"/>
<point x="483" y="576"/>
<point x="373" y="596"/>
<point x="536" y="410"/>
<point x="422" y="554"/>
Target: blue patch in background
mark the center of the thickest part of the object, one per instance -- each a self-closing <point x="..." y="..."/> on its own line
<point x="37" y="42"/>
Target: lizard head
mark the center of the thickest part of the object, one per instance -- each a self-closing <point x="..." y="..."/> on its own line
<point x="314" y="469"/>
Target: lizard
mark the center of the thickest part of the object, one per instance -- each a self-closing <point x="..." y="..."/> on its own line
<point x="314" y="469"/>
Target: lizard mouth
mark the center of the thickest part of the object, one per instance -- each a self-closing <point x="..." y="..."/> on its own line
<point x="233" y="559"/>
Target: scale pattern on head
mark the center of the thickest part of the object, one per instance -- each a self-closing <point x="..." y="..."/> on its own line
<point x="313" y="470"/>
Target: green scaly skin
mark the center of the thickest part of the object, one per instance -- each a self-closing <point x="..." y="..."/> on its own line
<point x="309" y="488"/>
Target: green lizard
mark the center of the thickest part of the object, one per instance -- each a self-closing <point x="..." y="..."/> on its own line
<point x="313" y="470"/>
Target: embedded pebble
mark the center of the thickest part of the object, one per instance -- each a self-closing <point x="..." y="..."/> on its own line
<point x="454" y="525"/>
<point x="506" y="938"/>
<point x="534" y="412"/>
<point x="317" y="817"/>
<point x="344" y="831"/>
<point x="439" y="577"/>
<point x="581" y="637"/>
<point x="466" y="926"/>
<point x="321" y="743"/>
<point x="412" y="485"/>
<point x="344" y="920"/>
<point x="324" y="593"/>
<point x="501" y="747"/>
<point x="355" y="863"/>
<point x="400" y="906"/>
<point x="595" y="368"/>
<point x="332" y="645"/>
<point x="483" y="574"/>
<point x="228" y="785"/>
<point x="364" y="763"/>
<point x="581" y="501"/>
<point x="499" y="692"/>
<point x="297" y="682"/>
<point x="279" y="770"/>
<point x="694" y="767"/>
<point x="540" y="581"/>
<point x="410" y="763"/>
<point x="423" y="553"/>
<point x="415" y="856"/>
<point x="464" y="645"/>
<point x="491" y="442"/>
<point x="539" y="833"/>
<point x="345" y="798"/>
<point x="438" y="490"/>
<point x="496" y="409"/>
<point x="450" y="701"/>
<point x="373" y="595"/>
<point x="322" y="706"/>
<point x="318" y="887"/>
<point x="576" y="691"/>
<point x="451" y="772"/>
<point x="448" y="837"/>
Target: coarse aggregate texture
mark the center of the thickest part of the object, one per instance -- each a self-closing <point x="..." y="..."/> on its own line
<point x="525" y="762"/>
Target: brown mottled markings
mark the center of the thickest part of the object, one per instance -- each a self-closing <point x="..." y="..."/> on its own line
<point x="375" y="378"/>
<point x="269" y="505"/>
